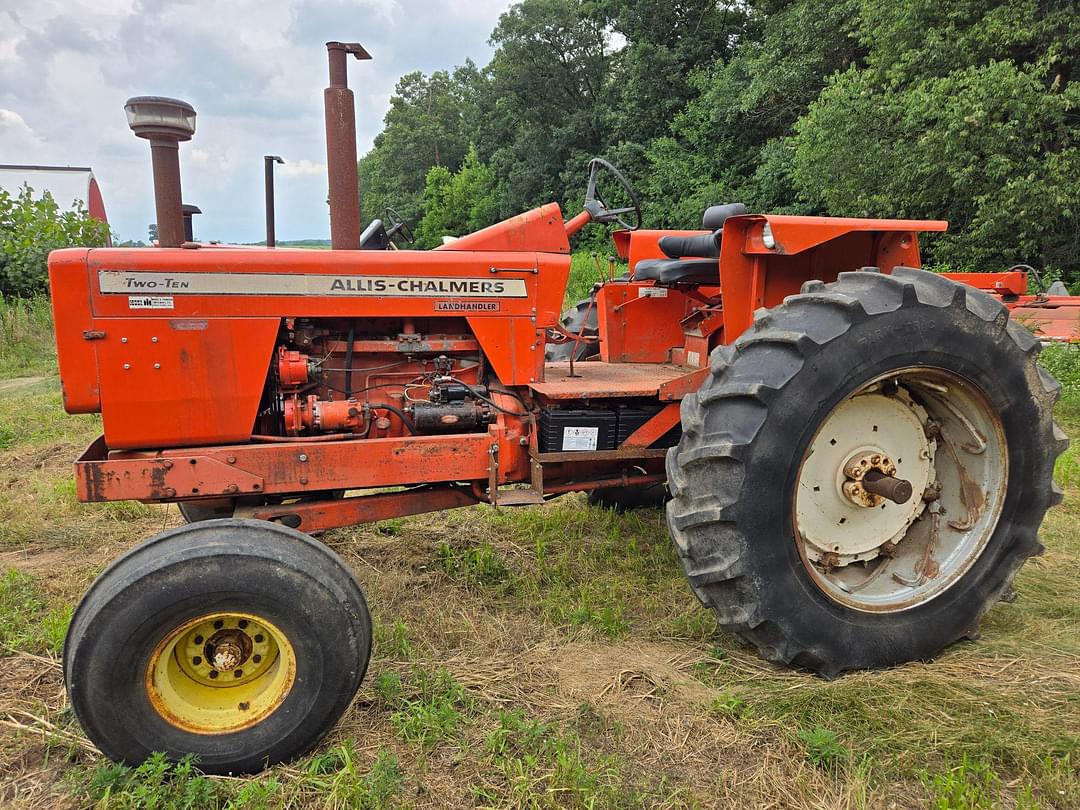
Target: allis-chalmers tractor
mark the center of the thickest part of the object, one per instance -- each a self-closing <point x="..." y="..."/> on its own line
<point x="858" y="453"/>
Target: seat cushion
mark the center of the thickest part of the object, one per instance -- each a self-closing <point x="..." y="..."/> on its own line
<point x="702" y="246"/>
<point x="669" y="272"/>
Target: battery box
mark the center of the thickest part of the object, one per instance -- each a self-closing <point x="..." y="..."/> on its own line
<point x="629" y="419"/>
<point x="577" y="430"/>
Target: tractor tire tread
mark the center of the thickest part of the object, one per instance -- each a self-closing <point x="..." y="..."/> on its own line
<point x="707" y="471"/>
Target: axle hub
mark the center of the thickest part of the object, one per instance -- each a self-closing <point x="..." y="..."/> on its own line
<point x="227" y="649"/>
<point x="871" y="481"/>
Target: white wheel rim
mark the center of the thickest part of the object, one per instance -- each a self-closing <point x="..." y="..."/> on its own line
<point x="930" y="428"/>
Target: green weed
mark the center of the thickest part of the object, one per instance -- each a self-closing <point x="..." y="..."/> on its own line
<point x="49" y="422"/>
<point x="392" y="640"/>
<point x="156" y="784"/>
<point x="335" y="777"/>
<point x="26" y="622"/>
<point x="730" y="707"/>
<point x="587" y="268"/>
<point x="429" y="707"/>
<point x="27" y="347"/>
<point x="1063" y="361"/>
<point x="533" y="765"/>
<point x="971" y="785"/>
<point x="823" y="748"/>
<point x="477" y="566"/>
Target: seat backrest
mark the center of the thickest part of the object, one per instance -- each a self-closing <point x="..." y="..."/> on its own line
<point x="716" y="214"/>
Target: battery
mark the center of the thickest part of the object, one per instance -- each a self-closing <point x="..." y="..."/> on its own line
<point x="629" y="419"/>
<point x="577" y="430"/>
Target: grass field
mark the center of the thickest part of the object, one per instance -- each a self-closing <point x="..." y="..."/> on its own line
<point x="545" y="657"/>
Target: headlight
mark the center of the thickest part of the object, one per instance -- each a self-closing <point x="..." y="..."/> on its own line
<point x="767" y="238"/>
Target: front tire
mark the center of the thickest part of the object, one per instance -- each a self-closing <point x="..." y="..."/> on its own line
<point x="760" y="518"/>
<point x="241" y="642"/>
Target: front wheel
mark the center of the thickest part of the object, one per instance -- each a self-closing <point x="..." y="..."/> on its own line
<point x="241" y="642"/>
<point x="865" y="470"/>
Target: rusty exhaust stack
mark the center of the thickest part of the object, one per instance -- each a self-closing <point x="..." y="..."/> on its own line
<point x="164" y="122"/>
<point x="341" y="148"/>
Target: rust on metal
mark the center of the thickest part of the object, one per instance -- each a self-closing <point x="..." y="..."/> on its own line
<point x="971" y="495"/>
<point x="165" y="157"/>
<point x="894" y="489"/>
<point x="344" y="191"/>
<point x="320" y="515"/>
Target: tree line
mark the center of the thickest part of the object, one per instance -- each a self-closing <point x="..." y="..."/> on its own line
<point x="962" y="110"/>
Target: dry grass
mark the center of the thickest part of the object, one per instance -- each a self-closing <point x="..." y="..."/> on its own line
<point x="554" y="657"/>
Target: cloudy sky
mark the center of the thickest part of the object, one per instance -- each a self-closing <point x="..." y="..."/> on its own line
<point x="253" y="69"/>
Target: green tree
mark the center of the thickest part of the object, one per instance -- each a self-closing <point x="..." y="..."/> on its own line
<point x="31" y="227"/>
<point x="456" y="203"/>
<point x="964" y="111"/>
<point x="545" y="107"/>
<point x="427" y="125"/>
<point x="729" y="144"/>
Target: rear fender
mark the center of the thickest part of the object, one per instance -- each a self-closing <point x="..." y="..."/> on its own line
<point x="756" y="271"/>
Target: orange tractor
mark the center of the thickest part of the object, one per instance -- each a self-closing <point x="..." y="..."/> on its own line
<point x="858" y="453"/>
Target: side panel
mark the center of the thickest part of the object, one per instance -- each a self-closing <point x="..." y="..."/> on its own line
<point x="169" y="382"/>
<point x="640" y="323"/>
<point x="76" y="331"/>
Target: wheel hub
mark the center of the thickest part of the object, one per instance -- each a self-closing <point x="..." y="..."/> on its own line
<point x="228" y="649"/>
<point x="871" y="481"/>
<point x="900" y="489"/>
<point x="220" y="673"/>
<point x="856" y="484"/>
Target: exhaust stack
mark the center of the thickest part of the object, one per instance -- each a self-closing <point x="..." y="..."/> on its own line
<point x="341" y="148"/>
<point x="165" y="122"/>
<point x="268" y="187"/>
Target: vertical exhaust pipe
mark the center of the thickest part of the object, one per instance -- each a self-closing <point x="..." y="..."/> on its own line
<point x="268" y="182"/>
<point x="165" y="122"/>
<point x="341" y="148"/>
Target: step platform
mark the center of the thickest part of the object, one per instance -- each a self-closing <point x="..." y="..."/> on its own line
<point x="598" y="380"/>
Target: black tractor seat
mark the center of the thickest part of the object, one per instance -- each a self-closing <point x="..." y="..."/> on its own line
<point x="695" y="260"/>
<point x="671" y="272"/>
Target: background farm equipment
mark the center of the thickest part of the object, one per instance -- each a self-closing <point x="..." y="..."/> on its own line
<point x="858" y="452"/>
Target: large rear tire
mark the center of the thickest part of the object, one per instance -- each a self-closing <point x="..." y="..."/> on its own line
<point x="922" y="385"/>
<point x="241" y="642"/>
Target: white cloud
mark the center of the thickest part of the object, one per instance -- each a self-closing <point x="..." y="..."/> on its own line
<point x="253" y="69"/>
<point x="303" y="168"/>
<point x="16" y="138"/>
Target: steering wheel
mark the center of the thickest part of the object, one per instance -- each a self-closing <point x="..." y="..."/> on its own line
<point x="594" y="200"/>
<point x="397" y="225"/>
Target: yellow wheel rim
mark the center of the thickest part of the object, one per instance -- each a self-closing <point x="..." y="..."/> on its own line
<point x="221" y="672"/>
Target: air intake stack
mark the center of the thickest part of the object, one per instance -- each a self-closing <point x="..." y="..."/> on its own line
<point x="165" y="122"/>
